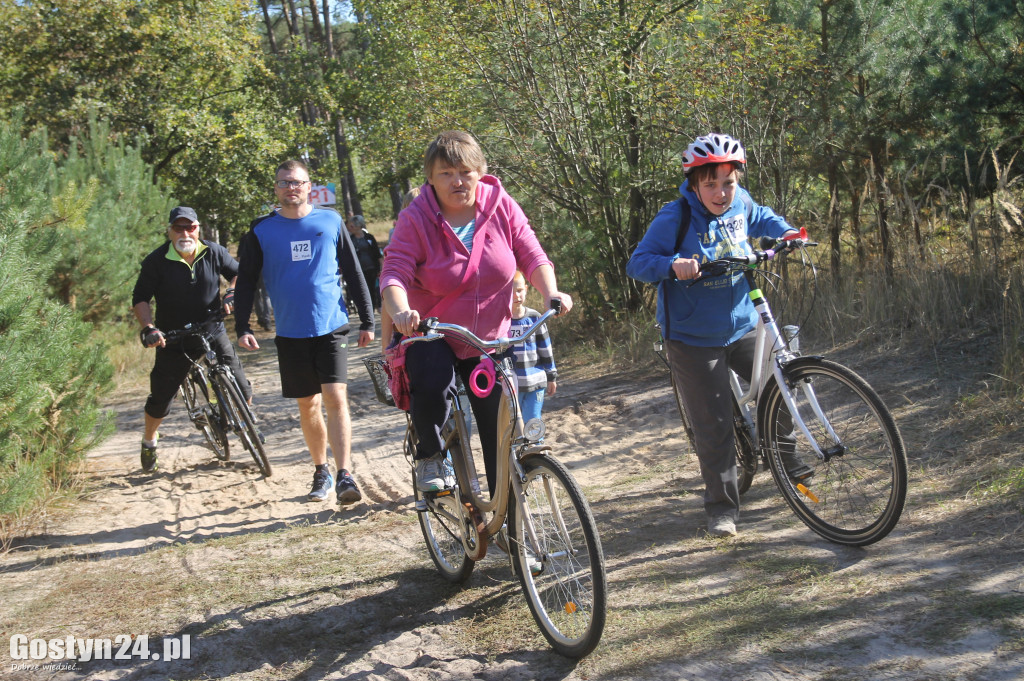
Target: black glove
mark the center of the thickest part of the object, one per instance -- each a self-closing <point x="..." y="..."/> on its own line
<point x="150" y="336"/>
<point x="229" y="297"/>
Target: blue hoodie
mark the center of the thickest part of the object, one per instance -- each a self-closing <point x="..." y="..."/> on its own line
<point x="714" y="312"/>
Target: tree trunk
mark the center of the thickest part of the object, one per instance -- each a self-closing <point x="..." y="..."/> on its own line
<point x="328" y="35"/>
<point x="835" y="221"/>
<point x="877" y="150"/>
<point x="314" y="14"/>
<point x="271" y="38"/>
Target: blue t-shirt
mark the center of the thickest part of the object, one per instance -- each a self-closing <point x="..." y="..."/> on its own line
<point x="300" y="270"/>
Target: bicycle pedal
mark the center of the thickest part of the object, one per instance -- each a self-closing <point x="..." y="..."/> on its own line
<point x="421" y="505"/>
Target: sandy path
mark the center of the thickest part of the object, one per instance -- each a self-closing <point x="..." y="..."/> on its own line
<point x="623" y="441"/>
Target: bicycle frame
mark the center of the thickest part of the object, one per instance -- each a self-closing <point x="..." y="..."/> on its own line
<point x="771" y="344"/>
<point x="207" y="366"/>
<point x="511" y="442"/>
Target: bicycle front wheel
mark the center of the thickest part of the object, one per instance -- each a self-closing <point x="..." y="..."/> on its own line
<point x="245" y="423"/>
<point x="440" y="522"/>
<point x="205" y="416"/>
<point x="565" y="584"/>
<point x="856" y="493"/>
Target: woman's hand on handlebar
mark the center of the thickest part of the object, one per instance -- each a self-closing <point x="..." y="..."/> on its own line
<point x="406" y="322"/>
<point x="566" y="301"/>
<point x="685" y="268"/>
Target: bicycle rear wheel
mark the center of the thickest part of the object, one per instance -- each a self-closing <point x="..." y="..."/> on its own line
<point x="566" y="585"/>
<point x="440" y="520"/>
<point x="856" y="494"/>
<point x="205" y="416"/>
<point x="245" y="423"/>
<point x="746" y="452"/>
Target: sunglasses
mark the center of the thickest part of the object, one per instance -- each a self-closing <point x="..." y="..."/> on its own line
<point x="185" y="228"/>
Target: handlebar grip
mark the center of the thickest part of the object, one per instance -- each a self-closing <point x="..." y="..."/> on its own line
<point x="427" y="325"/>
<point x="556" y="305"/>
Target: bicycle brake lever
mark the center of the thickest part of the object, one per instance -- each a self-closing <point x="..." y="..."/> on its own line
<point x="427" y="325"/>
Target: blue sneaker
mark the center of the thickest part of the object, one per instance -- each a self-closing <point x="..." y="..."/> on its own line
<point x="322" y="484"/>
<point x="345" y="490"/>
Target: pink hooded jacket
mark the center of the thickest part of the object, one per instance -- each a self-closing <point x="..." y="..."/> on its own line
<point x="427" y="260"/>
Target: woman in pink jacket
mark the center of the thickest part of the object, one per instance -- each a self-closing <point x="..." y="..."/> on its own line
<point x="460" y="210"/>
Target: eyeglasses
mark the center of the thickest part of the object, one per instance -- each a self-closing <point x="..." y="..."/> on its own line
<point x="290" y="184"/>
<point x="185" y="228"/>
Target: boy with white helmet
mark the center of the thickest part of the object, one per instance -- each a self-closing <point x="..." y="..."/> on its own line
<point x="708" y="327"/>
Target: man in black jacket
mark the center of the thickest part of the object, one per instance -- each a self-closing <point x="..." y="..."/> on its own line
<point x="183" y="277"/>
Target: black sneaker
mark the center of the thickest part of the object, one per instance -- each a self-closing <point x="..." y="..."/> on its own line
<point x="148" y="458"/>
<point x="345" y="489"/>
<point x="322" y="482"/>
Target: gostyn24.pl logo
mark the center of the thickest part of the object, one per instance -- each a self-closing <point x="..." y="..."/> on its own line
<point x="121" y="647"/>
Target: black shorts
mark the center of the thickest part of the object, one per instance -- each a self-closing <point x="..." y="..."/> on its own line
<point x="306" y="363"/>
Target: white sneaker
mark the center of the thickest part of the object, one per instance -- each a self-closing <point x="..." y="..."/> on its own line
<point x="722" y="526"/>
<point x="430" y="474"/>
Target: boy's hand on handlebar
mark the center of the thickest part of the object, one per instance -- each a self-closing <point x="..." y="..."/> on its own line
<point x="406" y="322"/>
<point x="685" y="268"/>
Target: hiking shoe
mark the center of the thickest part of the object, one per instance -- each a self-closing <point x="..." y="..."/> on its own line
<point x="148" y="458"/>
<point x="722" y="526"/>
<point x="322" y="483"/>
<point x="795" y="468"/>
<point x="430" y="474"/>
<point x="345" y="489"/>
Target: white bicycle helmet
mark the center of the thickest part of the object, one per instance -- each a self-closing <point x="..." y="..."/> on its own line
<point x="713" y="148"/>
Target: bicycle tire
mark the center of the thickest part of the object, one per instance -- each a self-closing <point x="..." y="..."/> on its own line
<point x="441" y="533"/>
<point x="567" y="592"/>
<point x="245" y="423"/>
<point x="856" y="496"/>
<point x="205" y="416"/>
<point x="746" y="452"/>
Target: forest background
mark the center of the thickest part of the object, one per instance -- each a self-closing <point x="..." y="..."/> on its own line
<point x="890" y="129"/>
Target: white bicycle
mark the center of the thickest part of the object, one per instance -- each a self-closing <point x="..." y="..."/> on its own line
<point x="830" y="442"/>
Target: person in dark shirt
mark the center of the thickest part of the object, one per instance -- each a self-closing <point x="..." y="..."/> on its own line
<point x="183" y="275"/>
<point x="368" y="252"/>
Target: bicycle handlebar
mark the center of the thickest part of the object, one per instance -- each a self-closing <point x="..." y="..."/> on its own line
<point x="197" y="329"/>
<point x="770" y="248"/>
<point x="433" y="330"/>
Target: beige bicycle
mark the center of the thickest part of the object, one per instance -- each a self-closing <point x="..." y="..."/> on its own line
<point x="538" y="514"/>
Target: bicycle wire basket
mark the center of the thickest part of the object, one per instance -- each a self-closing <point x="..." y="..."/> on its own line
<point x="378" y="369"/>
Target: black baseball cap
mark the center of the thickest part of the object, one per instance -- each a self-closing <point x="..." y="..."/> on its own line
<point x="183" y="212"/>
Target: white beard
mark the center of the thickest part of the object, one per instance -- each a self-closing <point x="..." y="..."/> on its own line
<point x="186" y="245"/>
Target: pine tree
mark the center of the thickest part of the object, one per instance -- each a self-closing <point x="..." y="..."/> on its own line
<point x="52" y="369"/>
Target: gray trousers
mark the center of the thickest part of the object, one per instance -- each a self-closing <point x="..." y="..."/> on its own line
<point x="702" y="375"/>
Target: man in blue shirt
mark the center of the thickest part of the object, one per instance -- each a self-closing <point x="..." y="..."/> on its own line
<point x="300" y="251"/>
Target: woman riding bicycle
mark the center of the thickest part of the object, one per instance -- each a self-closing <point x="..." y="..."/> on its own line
<point x="709" y="326"/>
<point x="453" y="254"/>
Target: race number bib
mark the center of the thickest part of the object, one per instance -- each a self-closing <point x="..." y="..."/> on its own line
<point x="301" y="250"/>
<point x="735" y="229"/>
